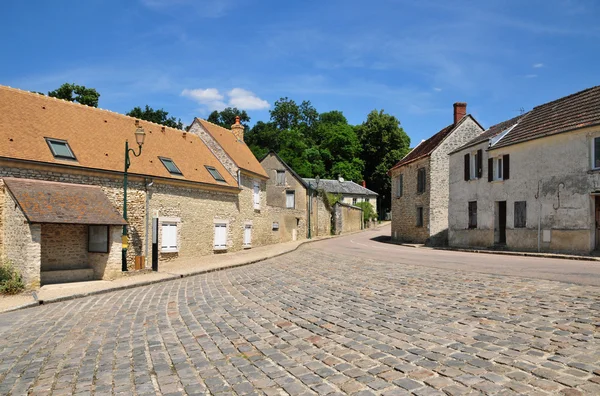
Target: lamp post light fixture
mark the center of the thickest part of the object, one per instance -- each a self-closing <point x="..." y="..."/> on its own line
<point x="140" y="134"/>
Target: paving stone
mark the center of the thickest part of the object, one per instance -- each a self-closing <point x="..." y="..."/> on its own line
<point x="407" y="384"/>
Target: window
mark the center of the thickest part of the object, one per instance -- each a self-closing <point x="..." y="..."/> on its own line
<point x="98" y="239"/>
<point x="420" y="216"/>
<point x="60" y="149"/>
<point x="421" y="180"/>
<point x="290" y="199"/>
<point x="170" y="165"/>
<point x="214" y="173"/>
<point x="474" y="165"/>
<point x="399" y="185"/>
<point x="596" y="153"/>
<point x="353" y="201"/>
<point x="220" y="236"/>
<point x="256" y="195"/>
<point x="473" y="214"/>
<point x="521" y="214"/>
<point x="248" y="235"/>
<point x="280" y="178"/>
<point x="498" y="168"/>
<point x="169" y="238"/>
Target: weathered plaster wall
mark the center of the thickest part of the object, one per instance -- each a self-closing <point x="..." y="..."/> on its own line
<point x="276" y="195"/>
<point x="439" y="172"/>
<point x="349" y="199"/>
<point x="320" y="218"/>
<point x="347" y="218"/>
<point x="404" y="209"/>
<point x="553" y="175"/>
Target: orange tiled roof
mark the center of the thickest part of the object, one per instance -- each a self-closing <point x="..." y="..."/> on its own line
<point x="238" y="151"/>
<point x="97" y="139"/>
<point x="63" y="203"/>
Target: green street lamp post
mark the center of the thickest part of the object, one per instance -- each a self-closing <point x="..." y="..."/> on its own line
<point x="139" y="138"/>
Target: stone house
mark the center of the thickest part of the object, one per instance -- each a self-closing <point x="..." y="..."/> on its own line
<point x="198" y="205"/>
<point x="539" y="184"/>
<point x="350" y="194"/>
<point x="287" y="198"/>
<point x="420" y="187"/>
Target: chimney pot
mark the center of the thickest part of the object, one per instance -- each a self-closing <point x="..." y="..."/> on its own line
<point x="364" y="184"/>
<point x="460" y="111"/>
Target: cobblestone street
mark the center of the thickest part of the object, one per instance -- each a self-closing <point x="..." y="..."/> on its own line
<point x="312" y="322"/>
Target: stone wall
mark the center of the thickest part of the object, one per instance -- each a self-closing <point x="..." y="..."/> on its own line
<point x="321" y="218"/>
<point x="552" y="175"/>
<point x="21" y="242"/>
<point x="439" y="172"/>
<point x="108" y="265"/>
<point x="276" y="194"/>
<point x="64" y="246"/>
<point x="404" y="209"/>
<point x="347" y="218"/>
<point x="350" y="200"/>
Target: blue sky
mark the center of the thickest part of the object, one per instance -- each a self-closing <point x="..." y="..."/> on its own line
<point x="413" y="59"/>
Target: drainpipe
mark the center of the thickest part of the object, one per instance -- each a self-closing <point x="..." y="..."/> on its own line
<point x="148" y="184"/>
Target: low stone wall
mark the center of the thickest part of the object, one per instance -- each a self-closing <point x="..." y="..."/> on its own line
<point x="348" y="218"/>
<point x="320" y="220"/>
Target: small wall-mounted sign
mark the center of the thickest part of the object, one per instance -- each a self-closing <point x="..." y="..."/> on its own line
<point x="275" y="226"/>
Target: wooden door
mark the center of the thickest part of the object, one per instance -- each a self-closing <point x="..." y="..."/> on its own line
<point x="597" y="223"/>
<point x="502" y="221"/>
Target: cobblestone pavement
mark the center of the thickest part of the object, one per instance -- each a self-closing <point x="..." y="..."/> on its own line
<point x="312" y="322"/>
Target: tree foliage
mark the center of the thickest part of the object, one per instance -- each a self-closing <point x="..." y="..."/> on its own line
<point x="158" y="116"/>
<point x="368" y="210"/>
<point x="383" y="142"/>
<point x="76" y="93"/>
<point x="226" y="117"/>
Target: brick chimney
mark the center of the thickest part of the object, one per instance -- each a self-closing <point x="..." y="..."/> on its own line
<point x="238" y="129"/>
<point x="460" y="110"/>
<point x="364" y="184"/>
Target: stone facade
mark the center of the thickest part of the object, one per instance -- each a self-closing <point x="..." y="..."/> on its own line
<point x="434" y="200"/>
<point x="321" y="217"/>
<point x="553" y="175"/>
<point x="64" y="246"/>
<point x="348" y="218"/>
<point x="215" y="148"/>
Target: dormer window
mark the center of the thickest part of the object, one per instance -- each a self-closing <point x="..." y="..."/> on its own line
<point x="170" y="165"/>
<point x="215" y="173"/>
<point x="60" y="149"/>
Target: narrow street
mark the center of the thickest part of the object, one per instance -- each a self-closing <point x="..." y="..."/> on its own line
<point x="348" y="315"/>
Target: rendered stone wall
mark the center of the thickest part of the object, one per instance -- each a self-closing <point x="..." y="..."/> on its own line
<point x="347" y="218"/>
<point x="276" y="195"/>
<point x="552" y="175"/>
<point x="404" y="209"/>
<point x="321" y="218"/>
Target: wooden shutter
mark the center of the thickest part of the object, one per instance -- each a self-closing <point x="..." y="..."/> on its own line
<point x="490" y="169"/>
<point x="290" y="200"/>
<point x="247" y="235"/>
<point x="220" y="236"/>
<point x="467" y="167"/>
<point x="506" y="166"/>
<point x="400" y="185"/>
<point x="479" y="164"/>
<point x="169" y="237"/>
<point x="256" y="195"/>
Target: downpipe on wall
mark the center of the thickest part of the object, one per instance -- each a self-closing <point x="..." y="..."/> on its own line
<point x="148" y="183"/>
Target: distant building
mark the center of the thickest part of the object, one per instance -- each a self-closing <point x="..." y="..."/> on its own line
<point x="351" y="193"/>
<point x="420" y="188"/>
<point x="537" y="185"/>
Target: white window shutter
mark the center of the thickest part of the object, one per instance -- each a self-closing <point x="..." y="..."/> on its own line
<point x="256" y="195"/>
<point x="169" y="237"/>
<point x="247" y="235"/>
<point x="220" y="236"/>
<point x="290" y="200"/>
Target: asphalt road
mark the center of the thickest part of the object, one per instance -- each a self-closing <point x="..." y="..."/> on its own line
<point x="369" y="245"/>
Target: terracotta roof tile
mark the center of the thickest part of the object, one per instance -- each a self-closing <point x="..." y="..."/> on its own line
<point x="97" y="138"/>
<point x="425" y="148"/>
<point x="579" y="110"/>
<point x="492" y="132"/>
<point x="238" y="150"/>
<point x="64" y="203"/>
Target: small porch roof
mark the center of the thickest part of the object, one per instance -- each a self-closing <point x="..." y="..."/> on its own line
<point x="62" y="203"/>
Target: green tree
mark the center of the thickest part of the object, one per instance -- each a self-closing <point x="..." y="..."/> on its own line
<point x="384" y="142"/>
<point x="226" y="118"/>
<point x="76" y="93"/>
<point x="368" y="210"/>
<point x="159" y="116"/>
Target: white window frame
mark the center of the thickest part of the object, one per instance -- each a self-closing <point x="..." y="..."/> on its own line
<point x="498" y="168"/>
<point x="473" y="168"/>
<point x="169" y="222"/>
<point x="247" y="235"/>
<point x="217" y="244"/>
<point x="291" y="193"/>
<point x="593" y="161"/>
<point x="256" y="194"/>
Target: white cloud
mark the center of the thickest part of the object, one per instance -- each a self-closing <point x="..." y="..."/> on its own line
<point x="237" y="97"/>
<point x="437" y="89"/>
<point x="538" y="65"/>
<point x="243" y="99"/>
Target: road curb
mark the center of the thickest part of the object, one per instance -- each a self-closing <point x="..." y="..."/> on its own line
<point x="170" y="277"/>
<point x="522" y="254"/>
